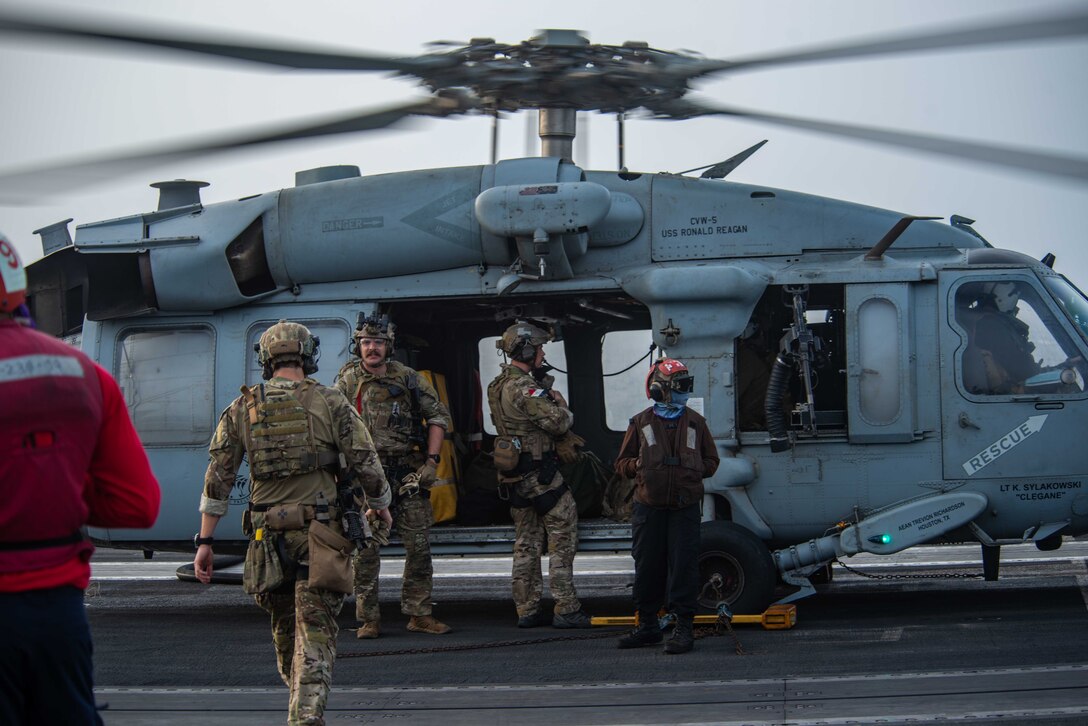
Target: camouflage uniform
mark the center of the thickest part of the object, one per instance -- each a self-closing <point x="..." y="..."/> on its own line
<point x="399" y="428"/>
<point x="303" y="619"/>
<point x="526" y="411"/>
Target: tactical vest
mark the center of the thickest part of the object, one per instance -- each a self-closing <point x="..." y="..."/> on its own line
<point x="669" y="478"/>
<point x="280" y="439"/>
<point x="405" y="419"/>
<point x="534" y="440"/>
<point x="49" y="424"/>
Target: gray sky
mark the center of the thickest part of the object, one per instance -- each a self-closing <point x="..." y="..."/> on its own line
<point x="85" y="100"/>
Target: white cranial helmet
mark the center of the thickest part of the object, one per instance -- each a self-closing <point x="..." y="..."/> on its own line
<point x="1006" y="295"/>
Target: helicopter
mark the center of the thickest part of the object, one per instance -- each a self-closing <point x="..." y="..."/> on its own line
<point x="879" y="422"/>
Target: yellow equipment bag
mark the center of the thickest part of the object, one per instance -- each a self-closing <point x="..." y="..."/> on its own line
<point x="444" y="489"/>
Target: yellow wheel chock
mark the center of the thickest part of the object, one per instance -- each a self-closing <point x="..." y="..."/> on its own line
<point x="776" y="617"/>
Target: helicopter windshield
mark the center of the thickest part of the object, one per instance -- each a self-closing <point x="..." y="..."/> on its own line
<point x="1072" y="302"/>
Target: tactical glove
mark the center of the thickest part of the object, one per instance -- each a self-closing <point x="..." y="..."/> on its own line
<point x="567" y="447"/>
<point x="427" y="473"/>
<point x="379" y="528"/>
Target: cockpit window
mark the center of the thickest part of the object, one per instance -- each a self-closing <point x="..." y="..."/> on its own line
<point x="1071" y="300"/>
<point x="1015" y="345"/>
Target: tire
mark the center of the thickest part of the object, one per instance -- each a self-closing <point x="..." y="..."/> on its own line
<point x="744" y="564"/>
<point x="1049" y="544"/>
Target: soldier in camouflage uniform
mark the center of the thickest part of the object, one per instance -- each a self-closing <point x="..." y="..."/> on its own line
<point x="408" y="424"/>
<point x="532" y="416"/>
<point x="295" y="434"/>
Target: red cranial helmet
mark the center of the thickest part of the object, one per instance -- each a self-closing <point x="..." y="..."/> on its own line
<point x="668" y="374"/>
<point x="12" y="277"/>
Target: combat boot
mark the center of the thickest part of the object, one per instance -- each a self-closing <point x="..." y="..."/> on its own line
<point x="682" y="639"/>
<point x="533" y="620"/>
<point x="577" y="619"/>
<point x="427" y="624"/>
<point x="368" y="630"/>
<point x="647" y="633"/>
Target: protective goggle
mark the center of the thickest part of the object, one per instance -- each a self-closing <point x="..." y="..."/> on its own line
<point x="682" y="383"/>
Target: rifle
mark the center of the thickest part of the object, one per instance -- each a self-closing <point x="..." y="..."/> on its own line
<point x="348" y="494"/>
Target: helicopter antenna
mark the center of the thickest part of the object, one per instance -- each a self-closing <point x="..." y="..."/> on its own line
<point x="722" y="168"/>
<point x="893" y="234"/>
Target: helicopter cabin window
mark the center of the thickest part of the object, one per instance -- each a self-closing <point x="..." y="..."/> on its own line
<point x="1015" y="344"/>
<point x="880" y="373"/>
<point x="881" y="345"/>
<point x="624" y="362"/>
<point x="167" y="378"/>
<point x="491" y="358"/>
<point x="334" y="337"/>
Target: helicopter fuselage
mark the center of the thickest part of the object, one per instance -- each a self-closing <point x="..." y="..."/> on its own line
<point x="840" y="386"/>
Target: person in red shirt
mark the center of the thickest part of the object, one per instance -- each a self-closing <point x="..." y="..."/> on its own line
<point x="69" y="457"/>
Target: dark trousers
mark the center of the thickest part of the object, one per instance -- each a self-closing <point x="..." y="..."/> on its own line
<point x="45" y="659"/>
<point x="665" y="545"/>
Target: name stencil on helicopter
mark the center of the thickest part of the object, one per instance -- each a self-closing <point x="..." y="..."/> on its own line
<point x="1006" y="443"/>
<point x="703" y="226"/>
<point x="1032" y="491"/>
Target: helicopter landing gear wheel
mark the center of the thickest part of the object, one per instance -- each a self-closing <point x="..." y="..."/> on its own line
<point x="736" y="563"/>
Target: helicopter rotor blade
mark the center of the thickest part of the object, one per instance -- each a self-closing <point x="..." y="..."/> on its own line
<point x="21" y="185"/>
<point x="1023" y="159"/>
<point x="1051" y="27"/>
<point x="286" y="57"/>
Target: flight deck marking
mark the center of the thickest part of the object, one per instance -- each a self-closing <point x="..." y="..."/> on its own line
<point x="1006" y="443"/>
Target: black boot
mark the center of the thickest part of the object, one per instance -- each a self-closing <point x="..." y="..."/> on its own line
<point x="683" y="638"/>
<point x="647" y="633"/>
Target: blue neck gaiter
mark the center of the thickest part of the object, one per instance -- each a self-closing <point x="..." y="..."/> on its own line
<point x="674" y="408"/>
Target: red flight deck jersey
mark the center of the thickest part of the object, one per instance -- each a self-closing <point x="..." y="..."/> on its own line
<point x="69" y="457"/>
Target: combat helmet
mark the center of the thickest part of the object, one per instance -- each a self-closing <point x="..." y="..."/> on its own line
<point x="667" y="375"/>
<point x="12" y="277"/>
<point x="374" y="326"/>
<point x="287" y="343"/>
<point x="521" y="340"/>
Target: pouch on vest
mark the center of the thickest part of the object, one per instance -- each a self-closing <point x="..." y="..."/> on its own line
<point x="507" y="453"/>
<point x="283" y="517"/>
<point x="263" y="571"/>
<point x="330" y="559"/>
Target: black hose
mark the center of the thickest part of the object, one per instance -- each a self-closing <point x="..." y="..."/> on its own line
<point x="772" y="405"/>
